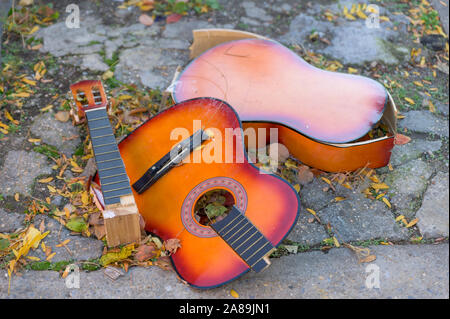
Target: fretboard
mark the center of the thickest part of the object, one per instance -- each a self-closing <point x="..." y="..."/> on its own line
<point x="111" y="170"/>
<point x="244" y="238"/>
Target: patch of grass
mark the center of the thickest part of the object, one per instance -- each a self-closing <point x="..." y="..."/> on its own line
<point x="46" y="265"/>
<point x="91" y="265"/>
<point x="47" y="150"/>
<point x="430" y="19"/>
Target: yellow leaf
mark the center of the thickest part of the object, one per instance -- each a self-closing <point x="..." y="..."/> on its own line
<point x="35" y="28"/>
<point x="51" y="189"/>
<point x="33" y="258"/>
<point x="378" y="186"/>
<point x="361" y="14"/>
<point x="63" y="243"/>
<point x="125" y="97"/>
<point x="311" y="211"/>
<point x="326" y="180"/>
<point x="380" y="195"/>
<point x="234" y="293"/>
<point x="384" y="18"/>
<point x="9" y="117"/>
<point x="16" y="197"/>
<point x="339" y="199"/>
<point x="34" y="140"/>
<point x="297" y="187"/>
<point x="290" y="164"/>
<point x="349" y="17"/>
<point x="85" y="198"/>
<point x="49" y="257"/>
<point x="4" y="125"/>
<point x="431" y="107"/>
<point x="48" y="107"/>
<point x="412" y="223"/>
<point x="45" y="180"/>
<point x="418" y="83"/>
<point x="352" y="70"/>
<point x="384" y="199"/>
<point x="107" y="75"/>
<point x="336" y="242"/>
<point x="409" y="100"/>
<point x="30" y="82"/>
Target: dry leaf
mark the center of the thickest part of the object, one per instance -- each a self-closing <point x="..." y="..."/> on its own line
<point x="62" y="116"/>
<point x="145" y="252"/>
<point x="174" y="17"/>
<point x="401" y="139"/>
<point x="304" y="175"/>
<point x="172" y="245"/>
<point x="146" y="20"/>
<point x="368" y="259"/>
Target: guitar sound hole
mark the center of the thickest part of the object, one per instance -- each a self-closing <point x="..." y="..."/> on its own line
<point x="213" y="206"/>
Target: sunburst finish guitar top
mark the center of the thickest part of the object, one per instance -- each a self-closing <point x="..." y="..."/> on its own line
<point x="266" y="207"/>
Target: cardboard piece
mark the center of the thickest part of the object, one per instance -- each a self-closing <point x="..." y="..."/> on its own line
<point x="325" y="156"/>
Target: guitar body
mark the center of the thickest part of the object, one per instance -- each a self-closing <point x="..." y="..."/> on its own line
<point x="318" y="112"/>
<point x="270" y="203"/>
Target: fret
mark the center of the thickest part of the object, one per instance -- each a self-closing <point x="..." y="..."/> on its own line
<point x="244" y="232"/>
<point x="109" y="147"/>
<point x="246" y="248"/>
<point x="118" y="193"/>
<point x="104" y="140"/>
<point x="232" y="235"/>
<point x="106" y="156"/>
<point x="109" y="160"/>
<point x="111" y="187"/>
<point x="260" y="253"/>
<point x="232" y="224"/>
<point x="96" y="113"/>
<point x="111" y="164"/>
<point x="109" y="168"/>
<point x="92" y="137"/>
<point x="104" y="153"/>
<point x="113" y="171"/>
<point x="253" y="248"/>
<point x="99" y="128"/>
<point x="101" y="132"/>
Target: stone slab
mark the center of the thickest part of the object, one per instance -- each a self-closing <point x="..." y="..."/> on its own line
<point x="408" y="271"/>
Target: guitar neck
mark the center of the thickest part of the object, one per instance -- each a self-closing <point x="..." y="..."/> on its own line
<point x="111" y="170"/>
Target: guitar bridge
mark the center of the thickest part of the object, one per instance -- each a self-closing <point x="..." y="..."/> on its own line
<point x="170" y="160"/>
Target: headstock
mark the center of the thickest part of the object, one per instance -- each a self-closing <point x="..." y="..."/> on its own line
<point x="87" y="95"/>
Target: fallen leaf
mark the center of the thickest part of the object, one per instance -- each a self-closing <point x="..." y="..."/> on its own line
<point x="77" y="224"/>
<point x="385" y="200"/>
<point x="16" y="197"/>
<point x="172" y="245"/>
<point x="234" y="294"/>
<point x="62" y="116"/>
<point x="412" y="223"/>
<point x="145" y="252"/>
<point x="45" y="180"/>
<point x="368" y="259"/>
<point x="401" y="139"/>
<point x="146" y="19"/>
<point x="304" y="175"/>
<point x="174" y="17"/>
<point x="297" y="188"/>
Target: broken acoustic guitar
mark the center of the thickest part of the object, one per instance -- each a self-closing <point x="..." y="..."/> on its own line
<point x="170" y="174"/>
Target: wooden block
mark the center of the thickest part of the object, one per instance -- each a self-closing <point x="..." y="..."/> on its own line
<point x="122" y="222"/>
